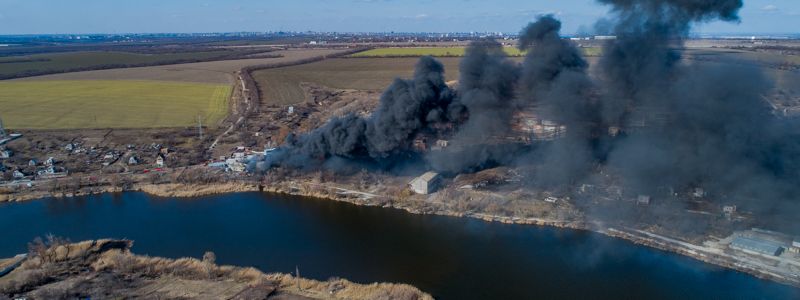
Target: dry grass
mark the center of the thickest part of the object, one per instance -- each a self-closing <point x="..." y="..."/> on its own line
<point x="106" y="267"/>
<point x="60" y="62"/>
<point x="283" y="85"/>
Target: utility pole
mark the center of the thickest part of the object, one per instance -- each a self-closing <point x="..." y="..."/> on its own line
<point x="200" y="126"/>
<point x="2" y="129"/>
<point x="297" y="277"/>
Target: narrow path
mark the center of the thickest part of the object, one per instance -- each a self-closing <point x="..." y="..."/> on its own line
<point x="239" y="120"/>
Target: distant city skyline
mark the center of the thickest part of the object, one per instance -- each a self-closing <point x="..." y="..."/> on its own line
<point x="189" y="16"/>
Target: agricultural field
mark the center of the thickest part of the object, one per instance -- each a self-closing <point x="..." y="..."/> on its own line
<point x="282" y="85"/>
<point x="445" y="52"/>
<point x="217" y="72"/>
<point x="12" y="66"/>
<point x="422" y="51"/>
<point x="110" y="104"/>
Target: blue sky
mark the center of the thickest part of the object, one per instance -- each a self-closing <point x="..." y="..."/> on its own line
<point x="125" y="16"/>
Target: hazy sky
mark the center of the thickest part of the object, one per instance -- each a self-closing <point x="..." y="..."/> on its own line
<point x="125" y="16"/>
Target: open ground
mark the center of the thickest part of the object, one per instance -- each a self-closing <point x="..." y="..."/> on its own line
<point x="283" y="85"/>
<point x="445" y="52"/>
<point x="66" y="61"/>
<point x="208" y="72"/>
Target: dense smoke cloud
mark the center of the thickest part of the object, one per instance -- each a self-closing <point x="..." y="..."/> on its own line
<point x="554" y="78"/>
<point x="485" y="102"/>
<point x="406" y="108"/>
<point x="659" y="121"/>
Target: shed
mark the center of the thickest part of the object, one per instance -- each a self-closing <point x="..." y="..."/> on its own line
<point x="756" y="245"/>
<point x="5" y="153"/>
<point x="133" y="161"/>
<point x="425" y="184"/>
<point x="160" y="159"/>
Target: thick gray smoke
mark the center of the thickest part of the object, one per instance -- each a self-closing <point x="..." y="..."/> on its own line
<point x="554" y="79"/>
<point x="485" y="103"/>
<point x="698" y="125"/>
<point x="406" y="108"/>
<point x="660" y="122"/>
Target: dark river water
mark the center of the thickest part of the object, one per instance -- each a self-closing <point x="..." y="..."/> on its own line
<point x="451" y="258"/>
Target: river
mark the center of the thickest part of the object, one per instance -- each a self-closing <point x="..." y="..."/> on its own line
<point x="451" y="258"/>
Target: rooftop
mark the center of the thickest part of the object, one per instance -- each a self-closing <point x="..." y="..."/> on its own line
<point x="757" y="245"/>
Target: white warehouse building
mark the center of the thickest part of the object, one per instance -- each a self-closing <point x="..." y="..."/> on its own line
<point x="425" y="184"/>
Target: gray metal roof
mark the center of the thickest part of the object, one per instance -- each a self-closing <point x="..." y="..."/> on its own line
<point x="426" y="178"/>
<point x="757" y="245"/>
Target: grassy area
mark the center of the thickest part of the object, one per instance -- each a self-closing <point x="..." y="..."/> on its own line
<point x="282" y="85"/>
<point x="110" y="104"/>
<point x="445" y="51"/>
<point x="67" y="61"/>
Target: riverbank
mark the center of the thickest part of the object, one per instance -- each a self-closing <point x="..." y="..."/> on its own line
<point x="639" y="237"/>
<point x="104" y="268"/>
<point x="331" y="191"/>
<point x="160" y="190"/>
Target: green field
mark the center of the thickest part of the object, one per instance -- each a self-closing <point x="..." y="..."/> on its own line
<point x="66" y="61"/>
<point x="444" y="51"/>
<point x="110" y="104"/>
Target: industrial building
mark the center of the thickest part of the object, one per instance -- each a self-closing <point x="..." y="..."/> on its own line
<point x="755" y="245"/>
<point x="425" y="184"/>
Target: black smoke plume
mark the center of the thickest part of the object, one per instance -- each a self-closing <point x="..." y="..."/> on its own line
<point x="406" y="108"/>
<point x="660" y="122"/>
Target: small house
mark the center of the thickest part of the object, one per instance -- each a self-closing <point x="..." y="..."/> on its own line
<point x="5" y="153"/>
<point x="164" y="150"/>
<point x="50" y="161"/>
<point x="32" y="163"/>
<point x="239" y="156"/>
<point x="160" y="160"/>
<point x="699" y="193"/>
<point x="69" y="147"/>
<point x="425" y="184"/>
<point x="795" y="245"/>
<point x="440" y="145"/>
<point x="643" y="200"/>
<point x="18" y="174"/>
<point x="729" y="209"/>
<point x="132" y="161"/>
<point x="551" y="199"/>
